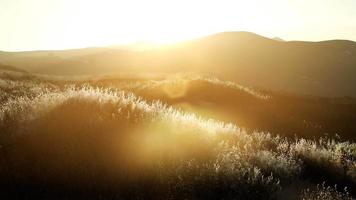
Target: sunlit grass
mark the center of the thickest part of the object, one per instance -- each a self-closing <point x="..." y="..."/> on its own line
<point x="92" y="136"/>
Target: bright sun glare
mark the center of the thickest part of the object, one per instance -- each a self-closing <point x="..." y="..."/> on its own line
<point x="157" y="21"/>
<point x="82" y="23"/>
<point x="61" y="24"/>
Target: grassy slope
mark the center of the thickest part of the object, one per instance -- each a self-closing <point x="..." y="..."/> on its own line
<point x="288" y="115"/>
<point x="69" y="139"/>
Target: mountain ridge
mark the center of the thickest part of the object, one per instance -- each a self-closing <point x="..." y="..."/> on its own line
<point x="323" y="68"/>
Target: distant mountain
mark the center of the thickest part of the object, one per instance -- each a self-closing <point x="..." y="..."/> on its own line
<point x="326" y="68"/>
<point x="278" y="39"/>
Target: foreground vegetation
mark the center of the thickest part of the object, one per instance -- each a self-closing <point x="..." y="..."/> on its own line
<point x="84" y="139"/>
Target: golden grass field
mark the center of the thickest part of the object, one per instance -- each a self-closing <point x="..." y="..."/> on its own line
<point x="166" y="137"/>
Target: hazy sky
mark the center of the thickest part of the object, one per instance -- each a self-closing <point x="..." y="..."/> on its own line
<point x="60" y="24"/>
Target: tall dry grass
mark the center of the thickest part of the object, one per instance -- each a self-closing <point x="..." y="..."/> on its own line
<point x="90" y="142"/>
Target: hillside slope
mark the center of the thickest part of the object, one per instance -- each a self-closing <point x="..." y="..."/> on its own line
<point x="284" y="114"/>
<point x="324" y="68"/>
<point x="10" y="68"/>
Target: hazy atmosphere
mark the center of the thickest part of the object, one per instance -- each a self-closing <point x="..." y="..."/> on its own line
<point x="63" y="24"/>
<point x="178" y="100"/>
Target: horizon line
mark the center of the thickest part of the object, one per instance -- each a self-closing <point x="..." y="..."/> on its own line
<point x="171" y="43"/>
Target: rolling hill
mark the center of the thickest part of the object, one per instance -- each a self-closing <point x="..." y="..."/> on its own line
<point x="255" y="110"/>
<point x="10" y="68"/>
<point x="325" y="68"/>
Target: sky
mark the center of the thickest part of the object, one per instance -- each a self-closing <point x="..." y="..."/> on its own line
<point x="63" y="24"/>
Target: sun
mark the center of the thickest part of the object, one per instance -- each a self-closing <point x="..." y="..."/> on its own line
<point x="108" y="22"/>
<point x="83" y="23"/>
<point x="63" y="24"/>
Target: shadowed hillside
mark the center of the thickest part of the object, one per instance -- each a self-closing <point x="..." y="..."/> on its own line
<point x="289" y="115"/>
